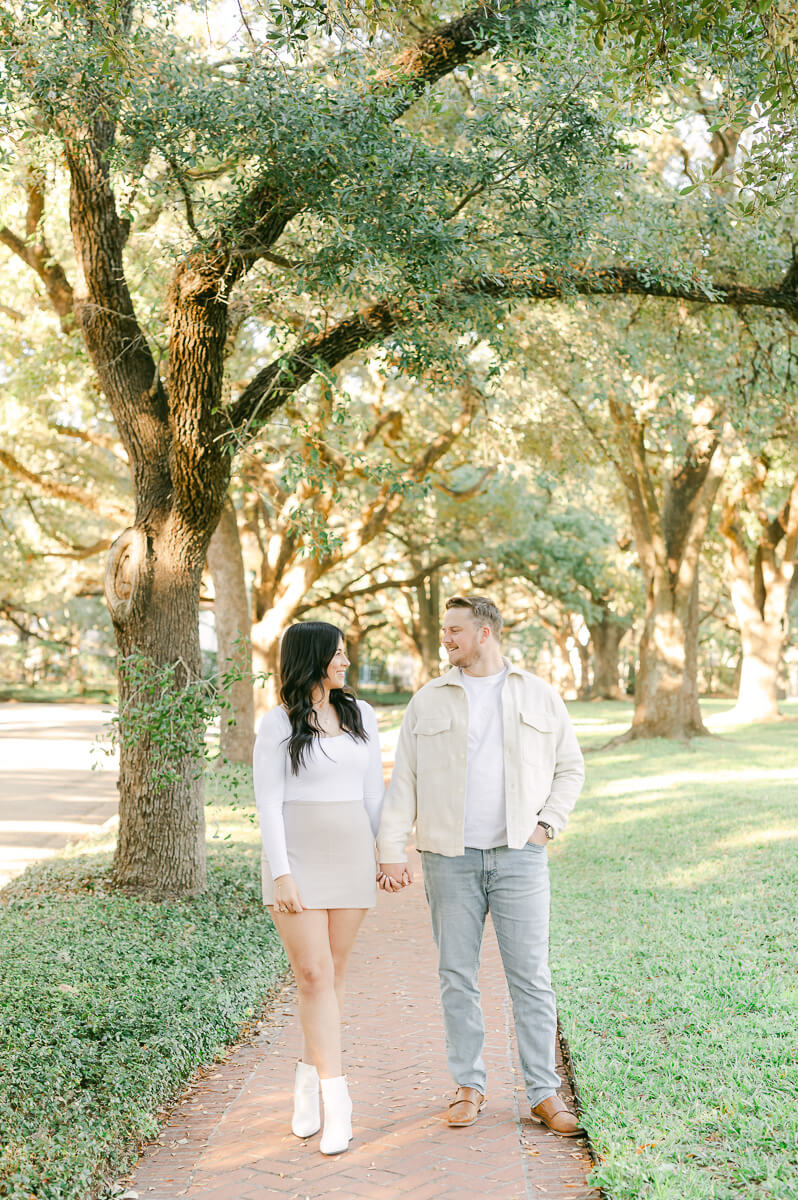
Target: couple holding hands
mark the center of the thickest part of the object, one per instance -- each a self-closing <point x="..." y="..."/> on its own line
<point x="487" y="770"/>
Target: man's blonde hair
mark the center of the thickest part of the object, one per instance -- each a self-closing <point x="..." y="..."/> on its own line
<point x="483" y="610"/>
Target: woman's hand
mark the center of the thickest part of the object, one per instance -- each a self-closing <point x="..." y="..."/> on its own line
<point x="286" y="895"/>
<point x="392" y="877"/>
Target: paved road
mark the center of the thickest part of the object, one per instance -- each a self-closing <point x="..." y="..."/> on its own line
<point x="49" y="793"/>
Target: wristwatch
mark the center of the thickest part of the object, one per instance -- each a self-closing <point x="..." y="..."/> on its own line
<point x="547" y="829"/>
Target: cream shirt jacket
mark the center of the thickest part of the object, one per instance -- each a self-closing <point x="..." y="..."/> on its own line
<point x="543" y="766"/>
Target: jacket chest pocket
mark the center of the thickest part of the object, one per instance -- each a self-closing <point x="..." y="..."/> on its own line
<point x="434" y="743"/>
<point x="537" y="735"/>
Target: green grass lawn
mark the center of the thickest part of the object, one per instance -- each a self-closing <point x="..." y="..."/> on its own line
<point x="674" y="952"/>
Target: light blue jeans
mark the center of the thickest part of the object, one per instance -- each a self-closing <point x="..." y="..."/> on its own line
<point x="513" y="885"/>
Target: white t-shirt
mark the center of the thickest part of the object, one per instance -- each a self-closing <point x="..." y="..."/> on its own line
<point x="485" y="811"/>
<point x="336" y="768"/>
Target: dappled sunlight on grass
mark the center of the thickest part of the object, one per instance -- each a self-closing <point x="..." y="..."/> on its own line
<point x="703" y="872"/>
<point x="674" y="951"/>
<point x="759" y="837"/>
<point x="681" y="779"/>
<point x="597" y="721"/>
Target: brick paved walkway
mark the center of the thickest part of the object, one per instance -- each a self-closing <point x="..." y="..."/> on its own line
<point x="229" y="1139"/>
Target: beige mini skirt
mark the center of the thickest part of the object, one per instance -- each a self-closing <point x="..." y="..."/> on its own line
<point x="331" y="854"/>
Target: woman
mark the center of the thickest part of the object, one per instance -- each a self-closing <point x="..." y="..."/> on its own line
<point x="318" y="789"/>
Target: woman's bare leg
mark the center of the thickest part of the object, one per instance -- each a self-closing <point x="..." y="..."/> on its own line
<point x="306" y="937"/>
<point x="343" y="926"/>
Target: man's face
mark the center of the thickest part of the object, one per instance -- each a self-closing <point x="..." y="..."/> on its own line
<point x="461" y="636"/>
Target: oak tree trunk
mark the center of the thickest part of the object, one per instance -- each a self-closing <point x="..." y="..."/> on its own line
<point x="669" y="531"/>
<point x="152" y="585"/>
<point x="760" y="587"/>
<point x="354" y="647"/>
<point x="234" y="651"/>
<point x="585" y="684"/>
<point x="666" y="688"/>
<point x="428" y="630"/>
<point x="606" y="635"/>
<point x="763" y="630"/>
<point x="758" y="695"/>
<point x="180" y="472"/>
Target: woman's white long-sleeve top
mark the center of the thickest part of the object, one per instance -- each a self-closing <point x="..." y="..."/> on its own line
<point x="336" y="768"/>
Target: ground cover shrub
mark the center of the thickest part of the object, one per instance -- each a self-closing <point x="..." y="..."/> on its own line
<point x="674" y="952"/>
<point x="109" y="1005"/>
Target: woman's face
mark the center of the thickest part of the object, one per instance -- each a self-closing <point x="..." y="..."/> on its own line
<point x="336" y="671"/>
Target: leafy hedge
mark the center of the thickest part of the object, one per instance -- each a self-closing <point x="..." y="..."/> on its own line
<point x="108" y="1005"/>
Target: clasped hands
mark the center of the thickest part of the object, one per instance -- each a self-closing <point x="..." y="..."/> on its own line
<point x="392" y="877"/>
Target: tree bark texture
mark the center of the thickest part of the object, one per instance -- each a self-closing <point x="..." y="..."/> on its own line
<point x="426" y="630"/>
<point x="666" y="687"/>
<point x="354" y="652"/>
<point x="234" y="647"/>
<point x="152" y="589"/>
<point x="606" y="635"/>
<point x="180" y="475"/>
<point x="760" y="586"/>
<point x="669" y="532"/>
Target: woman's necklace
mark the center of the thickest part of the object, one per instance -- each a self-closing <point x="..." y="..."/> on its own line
<point x="327" y="720"/>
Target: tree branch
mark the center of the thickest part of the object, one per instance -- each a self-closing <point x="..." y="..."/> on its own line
<point x="35" y="252"/>
<point x="467" y="493"/>
<point x="7" y="610"/>
<point x="79" y="552"/>
<point x="63" y="491"/>
<point x="102" y="440"/>
<point x="347" y="593"/>
<point x="273" y="386"/>
<point x="123" y="360"/>
<point x="265" y="212"/>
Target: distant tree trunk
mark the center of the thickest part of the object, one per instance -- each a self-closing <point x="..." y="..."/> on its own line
<point x="606" y="634"/>
<point x="668" y="536"/>
<point x="561" y="633"/>
<point x="763" y="650"/>
<point x="266" y="662"/>
<point x="666" y="687"/>
<point x="760" y="591"/>
<point x="585" y="689"/>
<point x="427" y="629"/>
<point x="418" y="623"/>
<point x="277" y="602"/>
<point x="231" y="609"/>
<point x="354" y="643"/>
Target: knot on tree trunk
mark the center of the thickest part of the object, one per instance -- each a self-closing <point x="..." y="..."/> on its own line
<point x="123" y="570"/>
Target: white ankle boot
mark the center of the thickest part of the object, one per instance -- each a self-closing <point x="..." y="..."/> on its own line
<point x="307" y="1117"/>
<point x="337" y="1116"/>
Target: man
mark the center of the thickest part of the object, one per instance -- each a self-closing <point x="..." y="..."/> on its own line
<point x="488" y="768"/>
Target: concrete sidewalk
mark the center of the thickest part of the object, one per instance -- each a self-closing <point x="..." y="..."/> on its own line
<point x="50" y="790"/>
<point x="230" y="1139"/>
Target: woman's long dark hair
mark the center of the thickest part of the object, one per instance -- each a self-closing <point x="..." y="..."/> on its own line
<point x="306" y="652"/>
